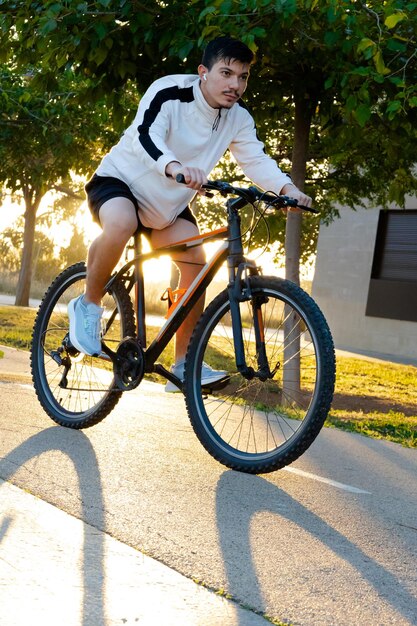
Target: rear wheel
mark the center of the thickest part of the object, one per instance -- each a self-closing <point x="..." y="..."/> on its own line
<point x="74" y="389"/>
<point x="263" y="423"/>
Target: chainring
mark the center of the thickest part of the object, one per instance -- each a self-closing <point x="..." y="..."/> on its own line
<point x="129" y="364"/>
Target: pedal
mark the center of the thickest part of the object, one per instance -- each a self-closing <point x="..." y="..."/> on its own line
<point x="216" y="386"/>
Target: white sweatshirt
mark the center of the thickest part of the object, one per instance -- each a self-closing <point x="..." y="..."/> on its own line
<point x="175" y="123"/>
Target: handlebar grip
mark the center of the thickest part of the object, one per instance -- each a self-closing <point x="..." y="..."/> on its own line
<point x="181" y="179"/>
<point x="287" y="201"/>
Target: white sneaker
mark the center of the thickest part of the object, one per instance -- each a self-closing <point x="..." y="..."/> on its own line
<point x="85" y="326"/>
<point x="208" y="375"/>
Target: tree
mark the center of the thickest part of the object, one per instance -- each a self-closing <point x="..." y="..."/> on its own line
<point x="43" y="137"/>
<point x="46" y="264"/>
<point x="336" y="81"/>
<point x="340" y="75"/>
<point x="49" y="255"/>
<point x="342" y="78"/>
<point x="76" y="249"/>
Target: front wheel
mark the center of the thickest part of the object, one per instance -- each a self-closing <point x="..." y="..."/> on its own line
<point x="263" y="423"/>
<point x="76" y="390"/>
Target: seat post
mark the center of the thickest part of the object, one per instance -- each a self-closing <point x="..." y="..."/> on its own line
<point x="139" y="291"/>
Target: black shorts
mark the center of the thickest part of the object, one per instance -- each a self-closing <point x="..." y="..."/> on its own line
<point x="102" y="188"/>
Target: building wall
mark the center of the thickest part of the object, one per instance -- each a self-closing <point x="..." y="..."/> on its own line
<point x="340" y="287"/>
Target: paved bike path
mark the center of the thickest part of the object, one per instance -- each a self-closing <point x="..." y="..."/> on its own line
<point x="330" y="540"/>
<point x="57" y="569"/>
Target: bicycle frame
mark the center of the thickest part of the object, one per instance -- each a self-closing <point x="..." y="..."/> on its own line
<point x="272" y="382"/>
<point x="231" y="250"/>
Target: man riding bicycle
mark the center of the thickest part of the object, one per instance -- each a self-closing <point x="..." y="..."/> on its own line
<point x="184" y="125"/>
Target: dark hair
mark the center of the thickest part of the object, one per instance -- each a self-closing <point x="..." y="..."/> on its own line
<point x="227" y="49"/>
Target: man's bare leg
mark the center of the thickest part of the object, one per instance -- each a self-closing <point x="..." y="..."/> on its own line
<point x="119" y="222"/>
<point x="189" y="264"/>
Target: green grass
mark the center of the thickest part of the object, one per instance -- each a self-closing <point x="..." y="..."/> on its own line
<point x="390" y="426"/>
<point x="376" y="399"/>
<point x="16" y="325"/>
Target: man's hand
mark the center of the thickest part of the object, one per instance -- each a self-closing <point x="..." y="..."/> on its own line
<point x="194" y="177"/>
<point x="293" y="192"/>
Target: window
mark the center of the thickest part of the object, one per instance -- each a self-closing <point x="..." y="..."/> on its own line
<point x="393" y="285"/>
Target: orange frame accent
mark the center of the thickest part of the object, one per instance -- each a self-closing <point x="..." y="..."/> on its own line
<point x="198" y="238"/>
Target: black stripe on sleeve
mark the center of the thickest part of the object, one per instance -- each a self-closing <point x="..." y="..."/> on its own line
<point x="170" y="93"/>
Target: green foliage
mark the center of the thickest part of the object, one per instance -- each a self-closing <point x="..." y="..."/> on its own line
<point x="10" y="243"/>
<point x="46" y="134"/>
<point x="75" y="251"/>
<point x="353" y="65"/>
<point x="359" y="74"/>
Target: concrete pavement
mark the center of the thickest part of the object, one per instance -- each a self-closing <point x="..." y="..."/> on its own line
<point x="330" y="540"/>
<point x="57" y="569"/>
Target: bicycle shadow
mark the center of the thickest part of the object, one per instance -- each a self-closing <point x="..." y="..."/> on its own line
<point x="85" y="463"/>
<point x="240" y="497"/>
<point x="4" y="528"/>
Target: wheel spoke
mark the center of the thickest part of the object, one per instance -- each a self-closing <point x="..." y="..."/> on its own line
<point x="79" y="391"/>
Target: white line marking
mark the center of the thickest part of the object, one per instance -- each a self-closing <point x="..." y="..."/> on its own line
<point x="328" y="481"/>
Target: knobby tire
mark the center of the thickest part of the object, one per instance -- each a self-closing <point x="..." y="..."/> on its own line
<point x="90" y="393"/>
<point x="260" y="426"/>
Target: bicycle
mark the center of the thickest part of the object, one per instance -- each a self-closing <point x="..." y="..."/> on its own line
<point x="265" y="332"/>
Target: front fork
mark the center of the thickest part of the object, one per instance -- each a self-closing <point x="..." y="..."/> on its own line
<point x="240" y="291"/>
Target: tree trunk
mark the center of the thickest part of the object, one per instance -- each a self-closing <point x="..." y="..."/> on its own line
<point x="291" y="373"/>
<point x="302" y="123"/>
<point x="32" y="200"/>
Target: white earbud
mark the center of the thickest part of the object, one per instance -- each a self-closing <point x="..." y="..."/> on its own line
<point x="204" y="77"/>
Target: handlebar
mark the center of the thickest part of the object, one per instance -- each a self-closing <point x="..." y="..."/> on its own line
<point x="250" y="194"/>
